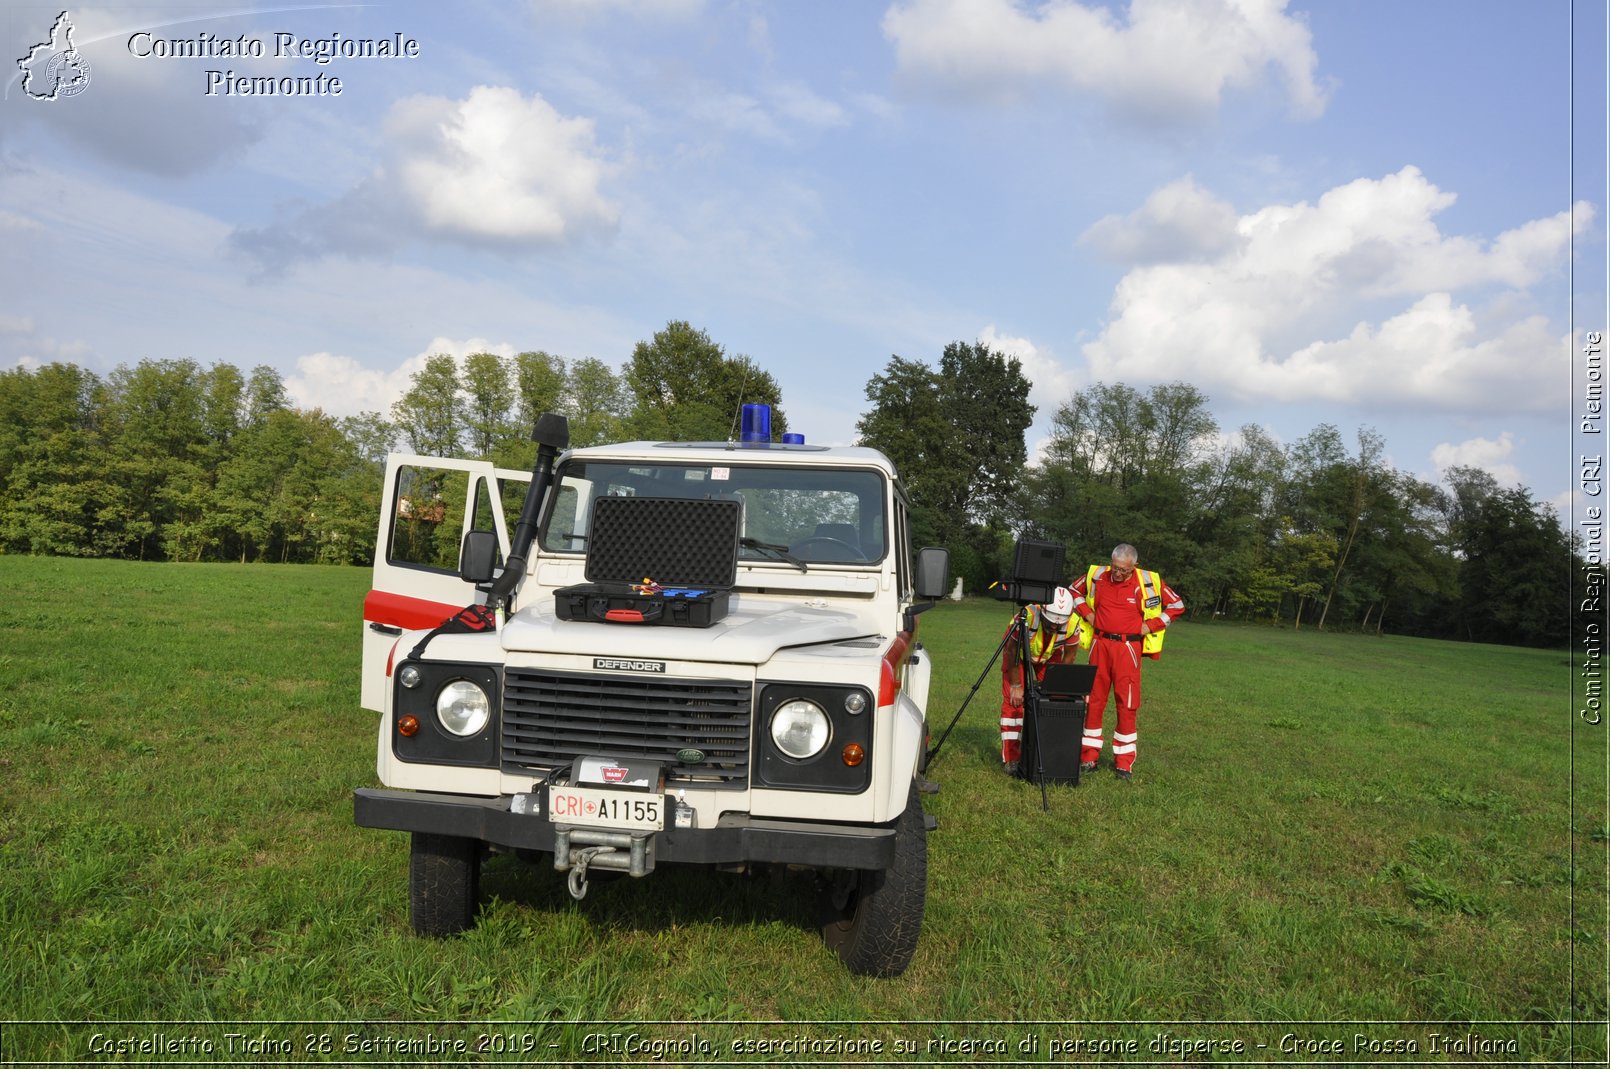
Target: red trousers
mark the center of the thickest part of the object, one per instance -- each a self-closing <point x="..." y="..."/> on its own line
<point x="1012" y="720"/>
<point x="1117" y="673"/>
<point x="1011" y="725"/>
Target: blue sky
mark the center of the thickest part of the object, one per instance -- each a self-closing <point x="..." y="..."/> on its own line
<point x="1367" y="213"/>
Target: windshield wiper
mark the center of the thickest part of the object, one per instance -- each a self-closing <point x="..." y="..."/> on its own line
<point x="781" y="551"/>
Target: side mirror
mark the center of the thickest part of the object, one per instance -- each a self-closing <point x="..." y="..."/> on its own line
<point x="933" y="572"/>
<point x="478" y="558"/>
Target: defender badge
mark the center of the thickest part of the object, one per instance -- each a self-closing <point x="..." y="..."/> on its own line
<point x="627" y="664"/>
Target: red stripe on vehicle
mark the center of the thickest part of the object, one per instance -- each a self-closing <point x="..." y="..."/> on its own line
<point x="894" y="663"/>
<point x="409" y="613"/>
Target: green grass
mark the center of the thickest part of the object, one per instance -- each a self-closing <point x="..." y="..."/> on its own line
<point x="1321" y="828"/>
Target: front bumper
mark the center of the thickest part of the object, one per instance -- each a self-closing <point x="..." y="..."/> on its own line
<point x="735" y="838"/>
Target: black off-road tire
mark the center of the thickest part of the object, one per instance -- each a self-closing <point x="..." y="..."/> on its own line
<point x="444" y="883"/>
<point x="875" y="916"/>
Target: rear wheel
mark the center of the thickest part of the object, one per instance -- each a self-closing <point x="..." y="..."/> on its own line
<point x="444" y="882"/>
<point x="874" y="916"/>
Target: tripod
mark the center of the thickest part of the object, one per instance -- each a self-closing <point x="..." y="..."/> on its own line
<point x="1031" y="695"/>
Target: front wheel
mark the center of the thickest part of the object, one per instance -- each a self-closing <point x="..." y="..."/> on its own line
<point x="444" y="882"/>
<point x="874" y="916"/>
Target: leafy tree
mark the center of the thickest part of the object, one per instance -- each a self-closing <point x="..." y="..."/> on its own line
<point x="1359" y="486"/>
<point x="907" y="421"/>
<point x="489" y="405"/>
<point x="541" y="379"/>
<point x="1294" y="567"/>
<point x="371" y="436"/>
<point x="685" y="388"/>
<point x="1122" y="436"/>
<point x="248" y="482"/>
<point x="430" y="414"/>
<point x="955" y="433"/>
<point x="265" y="394"/>
<point x="1135" y="467"/>
<point x="1515" y="563"/>
<point x="155" y="432"/>
<point x="222" y="401"/>
<point x="597" y="403"/>
<point x="1234" y="521"/>
<point x="52" y="461"/>
<point x="1408" y="572"/>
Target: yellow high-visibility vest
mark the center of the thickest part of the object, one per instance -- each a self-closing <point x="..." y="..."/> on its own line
<point x="1151" y="606"/>
<point x="1045" y="637"/>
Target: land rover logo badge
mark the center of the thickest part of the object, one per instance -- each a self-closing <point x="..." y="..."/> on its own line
<point x="690" y="756"/>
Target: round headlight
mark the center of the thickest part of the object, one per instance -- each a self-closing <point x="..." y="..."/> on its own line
<point x="462" y="707"/>
<point x="799" y="728"/>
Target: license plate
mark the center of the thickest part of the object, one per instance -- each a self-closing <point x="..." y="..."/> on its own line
<point x="597" y="808"/>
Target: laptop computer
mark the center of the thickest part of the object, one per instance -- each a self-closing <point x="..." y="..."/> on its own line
<point x="1067" y="680"/>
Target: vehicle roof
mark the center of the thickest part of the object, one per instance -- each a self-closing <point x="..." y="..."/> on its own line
<point x="738" y="453"/>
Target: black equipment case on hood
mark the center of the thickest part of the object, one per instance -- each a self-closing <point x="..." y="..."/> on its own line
<point x="657" y="560"/>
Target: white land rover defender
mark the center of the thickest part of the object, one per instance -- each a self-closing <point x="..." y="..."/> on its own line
<point x="679" y="653"/>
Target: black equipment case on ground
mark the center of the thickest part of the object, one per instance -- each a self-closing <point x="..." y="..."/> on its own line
<point x="657" y="560"/>
<point x="1053" y="724"/>
<point x="1052" y="737"/>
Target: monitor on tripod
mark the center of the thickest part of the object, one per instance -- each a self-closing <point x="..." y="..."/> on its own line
<point x="1037" y="570"/>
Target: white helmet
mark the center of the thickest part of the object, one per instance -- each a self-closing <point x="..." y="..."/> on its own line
<point x="1060" y="608"/>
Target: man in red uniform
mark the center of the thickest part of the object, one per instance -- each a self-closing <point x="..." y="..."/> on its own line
<point x="1053" y="638"/>
<point x="1126" y="610"/>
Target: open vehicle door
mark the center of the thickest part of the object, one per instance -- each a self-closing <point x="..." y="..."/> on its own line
<point x="427" y="507"/>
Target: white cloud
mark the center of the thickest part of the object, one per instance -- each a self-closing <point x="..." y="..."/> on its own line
<point x="1167" y="61"/>
<point x="500" y="167"/>
<point x="496" y="169"/>
<point x="1181" y="221"/>
<point x="1050" y="383"/>
<point x="797" y="101"/>
<point x="341" y="386"/>
<point x="1484" y="453"/>
<point x="1243" y="320"/>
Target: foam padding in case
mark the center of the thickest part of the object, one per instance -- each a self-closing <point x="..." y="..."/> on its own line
<point x="675" y="541"/>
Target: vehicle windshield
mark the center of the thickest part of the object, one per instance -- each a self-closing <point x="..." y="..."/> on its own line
<point x="809" y="514"/>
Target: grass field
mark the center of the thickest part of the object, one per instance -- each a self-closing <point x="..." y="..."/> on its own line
<point x="1327" y="837"/>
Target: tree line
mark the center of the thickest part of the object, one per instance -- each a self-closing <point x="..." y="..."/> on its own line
<point x="169" y="460"/>
<point x="1320" y="533"/>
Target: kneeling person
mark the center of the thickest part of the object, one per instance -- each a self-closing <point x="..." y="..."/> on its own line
<point x="1053" y="638"/>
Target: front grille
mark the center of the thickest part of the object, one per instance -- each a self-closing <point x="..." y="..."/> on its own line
<point x="552" y="718"/>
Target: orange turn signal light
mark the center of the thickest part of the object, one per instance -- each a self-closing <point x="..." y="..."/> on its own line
<point x="408" y="726"/>
<point x="854" y="754"/>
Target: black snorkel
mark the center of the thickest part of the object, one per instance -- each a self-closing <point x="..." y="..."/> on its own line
<point x="551" y="432"/>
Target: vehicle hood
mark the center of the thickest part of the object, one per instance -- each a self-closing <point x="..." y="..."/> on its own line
<point x="752" y="632"/>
